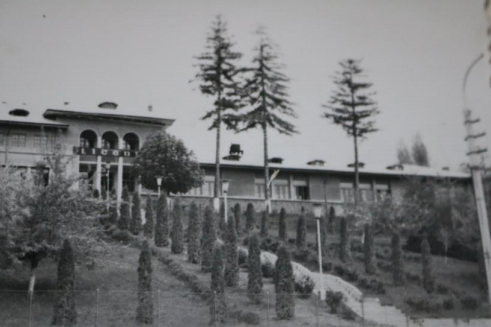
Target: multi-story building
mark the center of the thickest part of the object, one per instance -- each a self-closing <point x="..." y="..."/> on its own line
<point x="104" y="142"/>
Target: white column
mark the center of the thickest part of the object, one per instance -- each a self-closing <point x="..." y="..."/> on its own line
<point x="98" y="174"/>
<point x="119" y="186"/>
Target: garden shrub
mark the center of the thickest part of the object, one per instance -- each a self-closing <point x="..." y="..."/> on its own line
<point x="208" y="239"/>
<point x="248" y="318"/>
<point x="448" y="304"/>
<point x="291" y="241"/>
<point x="125" y="210"/>
<point x="177" y="233"/>
<point x="398" y="276"/>
<point x="442" y="289"/>
<point x="162" y="222"/>
<point x="255" y="277"/>
<point x="334" y="300"/>
<point x="351" y="274"/>
<point x="231" y="254"/>
<point x="369" y="251"/>
<point x="218" y="308"/>
<point x="136" y="221"/>
<point x="301" y="231"/>
<point x="222" y="226"/>
<point x="267" y="269"/>
<point x="344" y="247"/>
<point x="372" y="284"/>
<point x="469" y="302"/>
<point x="347" y="313"/>
<point x="282" y="234"/>
<point x="238" y="218"/>
<point x="250" y="217"/>
<point x="144" y="311"/>
<point x="65" y="311"/>
<point x="242" y="258"/>
<point x="264" y="223"/>
<point x="304" y="286"/>
<point x="413" y="278"/>
<point x="122" y="236"/>
<point x="194" y="232"/>
<point x="428" y="279"/>
<point x="332" y="218"/>
<point x="284" y="285"/>
<point x="148" y="227"/>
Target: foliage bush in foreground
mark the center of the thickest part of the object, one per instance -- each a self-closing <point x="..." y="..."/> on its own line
<point x="208" y="240"/>
<point x="267" y="269"/>
<point x="144" y="311"/>
<point x="218" y="305"/>
<point x="238" y="218"/>
<point x="301" y="231"/>
<point x="162" y="222"/>
<point x="250" y="217"/>
<point x="282" y="234"/>
<point x="255" y="277"/>
<point x="334" y="300"/>
<point x="65" y="311"/>
<point x="148" y="227"/>
<point x="304" y="286"/>
<point x="284" y="285"/>
<point x="231" y="254"/>
<point x="194" y="238"/>
<point x="177" y="234"/>
<point x="264" y="223"/>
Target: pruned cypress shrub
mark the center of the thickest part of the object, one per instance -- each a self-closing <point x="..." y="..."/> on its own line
<point x="301" y="232"/>
<point x="255" y="277"/>
<point x="369" y="251"/>
<point x="136" y="219"/>
<point x="96" y="194"/>
<point x="344" y="247"/>
<point x="162" y="222"/>
<point x="284" y="285"/>
<point x="231" y="254"/>
<point x="222" y="226"/>
<point x="208" y="239"/>
<point x="148" y="227"/>
<point x="125" y="211"/>
<point x="113" y="214"/>
<point x="177" y="234"/>
<point x="323" y="232"/>
<point x="282" y="225"/>
<point x="238" y="218"/>
<point x="104" y="194"/>
<point x="144" y="311"/>
<point x="264" y="223"/>
<point x="250" y="217"/>
<point x="428" y="279"/>
<point x="398" y="276"/>
<point x="65" y="311"/>
<point x="332" y="220"/>
<point x="194" y="236"/>
<point x="218" y="303"/>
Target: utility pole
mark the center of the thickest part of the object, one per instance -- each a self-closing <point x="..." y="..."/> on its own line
<point x="473" y="152"/>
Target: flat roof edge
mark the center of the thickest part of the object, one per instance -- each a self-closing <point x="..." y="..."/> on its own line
<point x="54" y="125"/>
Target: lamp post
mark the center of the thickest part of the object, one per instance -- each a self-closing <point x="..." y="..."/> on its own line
<point x="225" y="184"/>
<point x="318" y="215"/>
<point x="159" y="182"/>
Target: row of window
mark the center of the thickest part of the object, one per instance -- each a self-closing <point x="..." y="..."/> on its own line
<point x="20" y="140"/>
<point x="88" y="139"/>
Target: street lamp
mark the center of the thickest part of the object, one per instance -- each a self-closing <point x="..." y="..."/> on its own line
<point x="318" y="215"/>
<point x="159" y="182"/>
<point x="225" y="184"/>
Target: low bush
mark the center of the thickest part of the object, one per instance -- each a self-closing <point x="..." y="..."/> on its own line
<point x="424" y="303"/>
<point x="267" y="269"/>
<point x="242" y="259"/>
<point x="122" y="236"/>
<point x="351" y="274"/>
<point x="442" y="289"/>
<point x="448" y="304"/>
<point x="413" y="278"/>
<point x="291" y="241"/>
<point x="249" y="318"/>
<point x="469" y="302"/>
<point x="334" y="300"/>
<point x="372" y="284"/>
<point x="347" y="313"/>
<point x="327" y="266"/>
<point x="268" y="244"/>
<point x="304" y="286"/>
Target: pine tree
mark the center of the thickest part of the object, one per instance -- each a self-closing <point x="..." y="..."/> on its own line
<point x="282" y="225"/>
<point x="219" y="306"/>
<point x="284" y="285"/>
<point x="125" y="210"/>
<point x="144" y="311"/>
<point x="398" y="276"/>
<point x="208" y="240"/>
<point x="149" y="223"/>
<point x="194" y="245"/>
<point x="403" y="155"/>
<point x="162" y="222"/>
<point x="231" y="254"/>
<point x="369" y="251"/>
<point x="344" y="246"/>
<point x="255" y="277"/>
<point x="267" y="93"/>
<point x="217" y="74"/>
<point x="301" y="231"/>
<point x="250" y="217"/>
<point x="420" y="153"/>
<point x="264" y="223"/>
<point x="351" y="106"/>
<point x="177" y="234"/>
<point x="238" y="218"/>
<point x="136" y="221"/>
<point x="65" y="311"/>
<point x="428" y="278"/>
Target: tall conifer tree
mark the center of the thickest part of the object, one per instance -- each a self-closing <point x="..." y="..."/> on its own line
<point x="194" y="236"/>
<point x="144" y="311"/>
<point x="149" y="223"/>
<point x="352" y="107"/>
<point x="209" y="237"/>
<point x="217" y="75"/>
<point x="65" y="312"/>
<point x="231" y="254"/>
<point x="125" y="210"/>
<point x="255" y="277"/>
<point x="177" y="234"/>
<point x="284" y="285"/>
<point x="162" y="222"/>
<point x="136" y="221"/>
<point x="266" y="91"/>
<point x="282" y="225"/>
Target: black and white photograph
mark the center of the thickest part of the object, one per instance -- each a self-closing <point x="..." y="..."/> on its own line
<point x="236" y="163"/>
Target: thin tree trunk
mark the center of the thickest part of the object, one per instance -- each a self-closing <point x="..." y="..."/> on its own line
<point x="32" y="277"/>
<point x="216" y="192"/>
<point x="266" y="164"/>
<point x="357" y="176"/>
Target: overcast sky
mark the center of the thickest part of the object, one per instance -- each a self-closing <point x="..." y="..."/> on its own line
<point x="140" y="53"/>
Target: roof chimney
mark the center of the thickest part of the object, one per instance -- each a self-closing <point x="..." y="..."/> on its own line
<point x="276" y="160"/>
<point x="316" y="162"/>
<point x="150" y="108"/>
